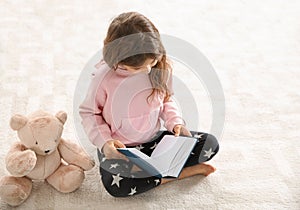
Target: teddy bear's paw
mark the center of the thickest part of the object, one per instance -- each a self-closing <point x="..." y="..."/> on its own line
<point x="91" y="164"/>
<point x="67" y="178"/>
<point x="15" y="191"/>
<point x="85" y="162"/>
<point x="12" y="195"/>
<point x="88" y="163"/>
<point x="22" y="164"/>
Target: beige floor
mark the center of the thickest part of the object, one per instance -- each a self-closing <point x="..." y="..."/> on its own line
<point x="254" y="47"/>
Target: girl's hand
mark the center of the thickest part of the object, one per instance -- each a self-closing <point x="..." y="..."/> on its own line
<point x="181" y="130"/>
<point x="110" y="150"/>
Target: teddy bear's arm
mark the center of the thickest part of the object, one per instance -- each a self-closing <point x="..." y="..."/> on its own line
<point x="74" y="154"/>
<point x="19" y="160"/>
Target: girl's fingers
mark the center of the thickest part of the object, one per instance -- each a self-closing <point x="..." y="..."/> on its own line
<point x="123" y="157"/>
<point x="119" y="144"/>
<point x="186" y="132"/>
<point x="111" y="152"/>
<point x="118" y="154"/>
<point x="181" y="129"/>
<point x="177" y="130"/>
<point x="115" y="154"/>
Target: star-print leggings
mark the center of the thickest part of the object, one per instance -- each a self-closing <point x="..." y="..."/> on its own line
<point x="119" y="181"/>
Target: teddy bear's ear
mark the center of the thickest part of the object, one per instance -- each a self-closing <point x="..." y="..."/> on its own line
<point x="62" y="116"/>
<point x="18" y="121"/>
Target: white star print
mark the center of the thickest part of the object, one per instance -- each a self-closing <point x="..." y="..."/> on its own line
<point x="153" y="147"/>
<point x="139" y="147"/>
<point x="157" y="181"/>
<point x="114" y="165"/>
<point x="199" y="136"/>
<point x="116" y="180"/>
<point x="133" y="191"/>
<point x="208" y="153"/>
<point x="103" y="159"/>
<point x="192" y="153"/>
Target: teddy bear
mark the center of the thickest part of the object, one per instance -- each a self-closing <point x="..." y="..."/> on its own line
<point x="41" y="154"/>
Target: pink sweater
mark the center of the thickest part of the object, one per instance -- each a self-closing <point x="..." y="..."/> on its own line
<point x="116" y="107"/>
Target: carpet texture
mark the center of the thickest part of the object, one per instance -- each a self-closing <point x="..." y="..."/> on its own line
<point x="254" y="47"/>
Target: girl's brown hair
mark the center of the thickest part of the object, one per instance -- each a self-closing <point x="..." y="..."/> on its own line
<point x="131" y="39"/>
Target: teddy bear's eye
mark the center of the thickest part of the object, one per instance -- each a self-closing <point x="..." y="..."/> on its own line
<point x="36" y="142"/>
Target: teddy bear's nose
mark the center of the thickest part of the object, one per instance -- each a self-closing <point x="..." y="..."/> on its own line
<point x="46" y="151"/>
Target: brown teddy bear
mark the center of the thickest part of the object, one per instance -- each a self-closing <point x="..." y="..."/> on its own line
<point x="42" y="154"/>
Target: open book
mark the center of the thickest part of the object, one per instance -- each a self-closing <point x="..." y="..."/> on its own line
<point x="167" y="159"/>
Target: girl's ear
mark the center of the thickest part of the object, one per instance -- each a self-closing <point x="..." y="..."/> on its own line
<point x="18" y="121"/>
<point x="61" y="116"/>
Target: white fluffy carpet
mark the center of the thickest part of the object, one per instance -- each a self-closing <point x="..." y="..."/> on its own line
<point x="254" y="47"/>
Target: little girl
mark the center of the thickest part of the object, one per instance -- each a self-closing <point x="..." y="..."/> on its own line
<point x="130" y="92"/>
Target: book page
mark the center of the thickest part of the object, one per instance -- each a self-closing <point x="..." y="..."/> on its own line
<point x="166" y="145"/>
<point x="170" y="148"/>
<point x="180" y="158"/>
<point x="162" y="163"/>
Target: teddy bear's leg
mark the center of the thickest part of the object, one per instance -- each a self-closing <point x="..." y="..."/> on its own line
<point x="15" y="190"/>
<point x="66" y="178"/>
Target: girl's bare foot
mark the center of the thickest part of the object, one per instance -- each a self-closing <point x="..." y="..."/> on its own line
<point x="201" y="168"/>
<point x="205" y="169"/>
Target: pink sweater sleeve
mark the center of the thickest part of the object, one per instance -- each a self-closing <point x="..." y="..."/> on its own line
<point x="90" y="110"/>
<point x="170" y="114"/>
